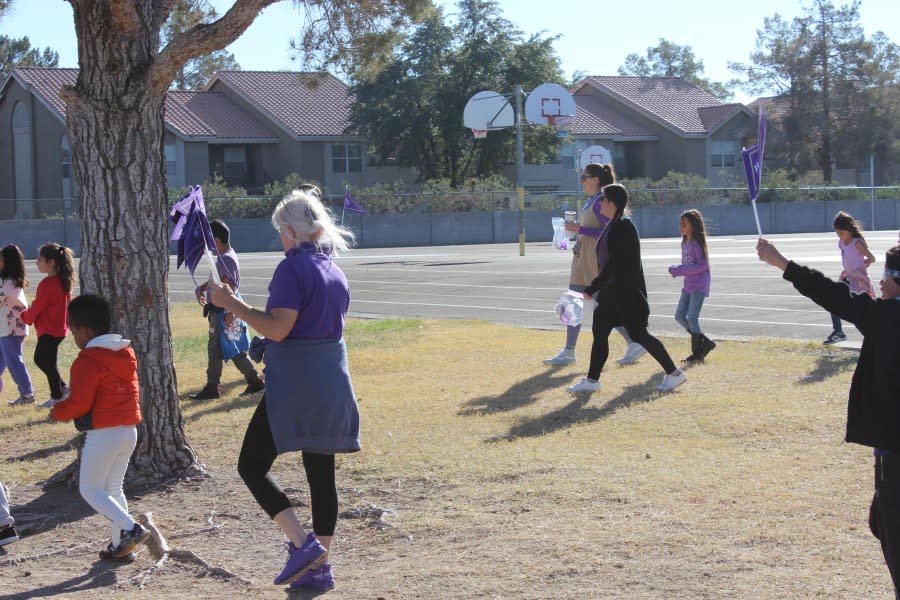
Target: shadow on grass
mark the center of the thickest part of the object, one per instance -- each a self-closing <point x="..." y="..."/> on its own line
<point x="577" y="411"/>
<point x="522" y="393"/>
<point x="207" y="407"/>
<point x="72" y="444"/>
<point x="830" y="364"/>
<point x="101" y="575"/>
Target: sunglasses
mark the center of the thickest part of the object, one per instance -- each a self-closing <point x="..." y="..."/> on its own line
<point x="585" y="176"/>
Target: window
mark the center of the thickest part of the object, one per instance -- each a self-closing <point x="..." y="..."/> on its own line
<point x="65" y="159"/>
<point x="724" y="154"/>
<point x="235" y="162"/>
<point x="346" y="158"/>
<point x="171" y="164"/>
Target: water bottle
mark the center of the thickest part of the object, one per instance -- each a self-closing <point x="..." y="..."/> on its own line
<point x="569" y="308"/>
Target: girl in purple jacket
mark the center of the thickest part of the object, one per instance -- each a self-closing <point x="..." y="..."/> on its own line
<point x="694" y="268"/>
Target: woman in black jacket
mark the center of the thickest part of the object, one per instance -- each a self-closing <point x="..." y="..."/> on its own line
<point x="622" y="295"/>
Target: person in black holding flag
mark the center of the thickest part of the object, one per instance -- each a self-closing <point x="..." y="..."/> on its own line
<point x="873" y="410"/>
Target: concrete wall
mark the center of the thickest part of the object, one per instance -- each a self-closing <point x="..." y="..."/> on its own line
<point x="502" y="226"/>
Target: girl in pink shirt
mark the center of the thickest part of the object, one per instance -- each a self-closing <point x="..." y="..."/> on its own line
<point x="856" y="258"/>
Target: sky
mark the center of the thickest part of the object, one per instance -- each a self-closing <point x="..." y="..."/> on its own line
<point x="595" y="37"/>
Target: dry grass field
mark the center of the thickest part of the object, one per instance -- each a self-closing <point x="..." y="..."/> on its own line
<point x="482" y="478"/>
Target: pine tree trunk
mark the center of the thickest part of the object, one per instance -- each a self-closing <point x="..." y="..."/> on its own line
<point x="115" y="121"/>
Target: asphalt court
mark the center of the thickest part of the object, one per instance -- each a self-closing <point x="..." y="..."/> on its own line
<point x="493" y="282"/>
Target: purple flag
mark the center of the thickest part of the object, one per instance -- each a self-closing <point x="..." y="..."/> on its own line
<point x="349" y="204"/>
<point x="192" y="230"/>
<point x="753" y="164"/>
<point x="753" y="157"/>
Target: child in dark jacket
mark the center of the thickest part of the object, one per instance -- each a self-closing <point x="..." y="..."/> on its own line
<point x="104" y="401"/>
<point x="873" y="410"/>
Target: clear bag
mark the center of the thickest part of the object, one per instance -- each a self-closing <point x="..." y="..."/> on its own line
<point x="560" y="235"/>
<point x="570" y="308"/>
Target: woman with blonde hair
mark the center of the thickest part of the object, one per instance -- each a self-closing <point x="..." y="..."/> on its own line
<point x="309" y="405"/>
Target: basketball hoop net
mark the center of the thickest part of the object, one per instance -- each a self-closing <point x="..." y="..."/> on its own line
<point x="479" y="134"/>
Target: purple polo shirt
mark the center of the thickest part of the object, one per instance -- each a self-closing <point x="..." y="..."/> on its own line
<point x="311" y="283"/>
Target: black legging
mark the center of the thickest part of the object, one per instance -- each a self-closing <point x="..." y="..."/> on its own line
<point x="603" y="326"/>
<point x="45" y="353"/>
<point x="258" y="452"/>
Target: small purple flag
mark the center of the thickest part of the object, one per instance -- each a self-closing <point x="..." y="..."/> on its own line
<point x="753" y="163"/>
<point x="349" y="204"/>
<point x="192" y="230"/>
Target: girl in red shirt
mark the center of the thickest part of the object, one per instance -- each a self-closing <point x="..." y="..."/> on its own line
<point x="48" y="314"/>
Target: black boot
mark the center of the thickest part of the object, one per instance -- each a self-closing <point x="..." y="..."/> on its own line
<point x="706" y="346"/>
<point x="253" y="386"/>
<point x="695" y="349"/>
<point x="209" y="392"/>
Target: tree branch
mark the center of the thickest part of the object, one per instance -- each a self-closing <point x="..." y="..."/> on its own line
<point x="203" y="39"/>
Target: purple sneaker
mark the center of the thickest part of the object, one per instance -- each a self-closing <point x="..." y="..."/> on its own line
<point x="300" y="560"/>
<point x="320" y="579"/>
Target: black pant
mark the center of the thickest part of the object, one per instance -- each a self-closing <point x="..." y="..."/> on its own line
<point x="258" y="452"/>
<point x="604" y="322"/>
<point x="45" y="353"/>
<point x="884" y="514"/>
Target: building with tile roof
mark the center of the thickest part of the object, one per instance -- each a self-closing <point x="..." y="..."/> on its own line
<point x="654" y="125"/>
<point x="255" y="127"/>
<point x="250" y="128"/>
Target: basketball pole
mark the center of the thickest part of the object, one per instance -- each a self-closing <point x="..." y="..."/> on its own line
<point x="520" y="170"/>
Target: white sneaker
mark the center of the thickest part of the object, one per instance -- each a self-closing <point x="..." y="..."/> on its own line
<point x="50" y="403"/>
<point x="632" y="353"/>
<point x="566" y="356"/>
<point x="585" y="386"/>
<point x="670" y="382"/>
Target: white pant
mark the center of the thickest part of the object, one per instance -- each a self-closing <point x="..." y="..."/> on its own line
<point x="5" y="517"/>
<point x="104" y="461"/>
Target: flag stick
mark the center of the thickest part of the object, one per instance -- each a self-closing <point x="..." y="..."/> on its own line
<point x="756" y="216"/>
<point x="214" y="273"/>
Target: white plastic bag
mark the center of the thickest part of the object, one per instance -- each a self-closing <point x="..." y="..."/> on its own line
<point x="560" y="235"/>
<point x="569" y="308"/>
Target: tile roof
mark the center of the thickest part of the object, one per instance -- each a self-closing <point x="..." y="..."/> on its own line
<point x="593" y="116"/>
<point x="671" y="100"/>
<point x="211" y="114"/>
<point x="46" y="83"/>
<point x="193" y="114"/>
<point x="713" y="116"/>
<point x="304" y="104"/>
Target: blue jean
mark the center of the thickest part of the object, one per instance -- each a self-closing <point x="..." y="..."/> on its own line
<point x="688" y="311"/>
<point x="11" y="358"/>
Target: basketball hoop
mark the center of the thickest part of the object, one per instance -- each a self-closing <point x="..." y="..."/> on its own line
<point x="479" y="134"/>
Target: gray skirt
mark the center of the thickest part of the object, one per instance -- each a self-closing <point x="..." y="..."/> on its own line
<point x="309" y="397"/>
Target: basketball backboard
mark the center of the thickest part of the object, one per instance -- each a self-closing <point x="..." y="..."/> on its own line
<point x="595" y="154"/>
<point x="488" y="110"/>
<point x="547" y="102"/>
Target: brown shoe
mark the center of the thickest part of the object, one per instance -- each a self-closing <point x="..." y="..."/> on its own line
<point x="210" y="392"/>
<point x="253" y="387"/>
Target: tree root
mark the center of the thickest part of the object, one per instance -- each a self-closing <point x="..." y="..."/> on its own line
<point x="162" y="552"/>
<point x="21" y="559"/>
